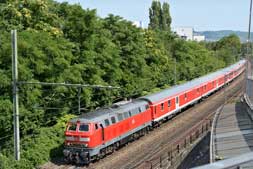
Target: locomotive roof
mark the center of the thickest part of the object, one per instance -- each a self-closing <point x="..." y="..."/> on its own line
<point x="103" y="113"/>
<point x="156" y="97"/>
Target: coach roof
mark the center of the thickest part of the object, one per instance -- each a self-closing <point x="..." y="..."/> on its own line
<point x="156" y="97"/>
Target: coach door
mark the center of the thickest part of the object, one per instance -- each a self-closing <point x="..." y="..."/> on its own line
<point x="177" y="102"/>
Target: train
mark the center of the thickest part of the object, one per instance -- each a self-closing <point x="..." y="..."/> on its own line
<point x="93" y="135"/>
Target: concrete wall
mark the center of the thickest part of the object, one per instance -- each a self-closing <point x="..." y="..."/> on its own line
<point x="248" y="96"/>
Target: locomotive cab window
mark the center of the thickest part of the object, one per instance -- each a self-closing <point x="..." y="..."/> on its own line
<point x="162" y="106"/>
<point x="72" y="127"/>
<point x="107" y="122"/>
<point x="169" y="103"/>
<point x="84" y="127"/>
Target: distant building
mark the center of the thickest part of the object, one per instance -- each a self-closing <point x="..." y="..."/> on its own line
<point x="184" y="32"/>
<point x="199" y="38"/>
<point x="188" y="33"/>
<point x="138" y="24"/>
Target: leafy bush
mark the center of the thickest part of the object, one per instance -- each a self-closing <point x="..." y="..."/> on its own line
<point x="59" y="42"/>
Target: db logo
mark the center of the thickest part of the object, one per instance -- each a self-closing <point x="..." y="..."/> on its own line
<point x="133" y="121"/>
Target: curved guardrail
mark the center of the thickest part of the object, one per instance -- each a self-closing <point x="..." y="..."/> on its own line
<point x="249" y="106"/>
<point x="230" y="163"/>
<point x="212" y="132"/>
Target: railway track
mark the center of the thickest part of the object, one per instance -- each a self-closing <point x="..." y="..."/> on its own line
<point x="145" y="152"/>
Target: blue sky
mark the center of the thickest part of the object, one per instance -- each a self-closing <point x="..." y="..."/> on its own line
<point x="200" y="14"/>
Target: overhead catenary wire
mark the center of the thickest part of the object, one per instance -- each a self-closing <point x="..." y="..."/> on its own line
<point x="8" y="136"/>
<point x="67" y="85"/>
<point x="17" y="84"/>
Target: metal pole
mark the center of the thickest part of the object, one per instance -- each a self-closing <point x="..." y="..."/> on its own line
<point x="15" y="94"/>
<point x="248" y="47"/>
<point x="249" y="33"/>
<point x="79" y="100"/>
<point x="250" y="11"/>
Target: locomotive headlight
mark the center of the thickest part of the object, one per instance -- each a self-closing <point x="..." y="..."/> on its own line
<point x="69" y="138"/>
<point x="87" y="139"/>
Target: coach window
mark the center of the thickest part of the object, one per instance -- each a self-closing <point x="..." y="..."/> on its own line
<point x="120" y="117"/>
<point x="107" y="122"/>
<point x="139" y="110"/>
<point x="168" y="103"/>
<point x="213" y="84"/>
<point x="185" y="96"/>
<point x="113" y="120"/>
<point x="126" y="115"/>
<point x="134" y="111"/>
<point x="162" y="106"/>
<point x="197" y="90"/>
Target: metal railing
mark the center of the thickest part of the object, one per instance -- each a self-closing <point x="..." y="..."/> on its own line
<point x="171" y="154"/>
<point x="218" y="111"/>
<point x="234" y="162"/>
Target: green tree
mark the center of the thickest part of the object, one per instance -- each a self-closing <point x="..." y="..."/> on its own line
<point x="227" y="48"/>
<point x="155" y="15"/>
<point x="159" y="16"/>
<point x="166" y="18"/>
<point x="59" y="42"/>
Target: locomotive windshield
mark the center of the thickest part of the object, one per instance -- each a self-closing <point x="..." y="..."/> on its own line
<point x="84" y="127"/>
<point x="72" y="127"/>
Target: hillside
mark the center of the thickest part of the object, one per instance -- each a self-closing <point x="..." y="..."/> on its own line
<point x="217" y="35"/>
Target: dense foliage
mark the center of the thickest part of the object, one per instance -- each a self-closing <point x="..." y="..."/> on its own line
<point x="159" y="16"/>
<point x="58" y="42"/>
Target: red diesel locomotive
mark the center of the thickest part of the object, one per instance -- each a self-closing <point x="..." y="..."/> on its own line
<point x="93" y="135"/>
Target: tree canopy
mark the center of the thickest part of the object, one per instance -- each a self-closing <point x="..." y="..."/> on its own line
<point x="159" y="16"/>
<point x="59" y="42"/>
